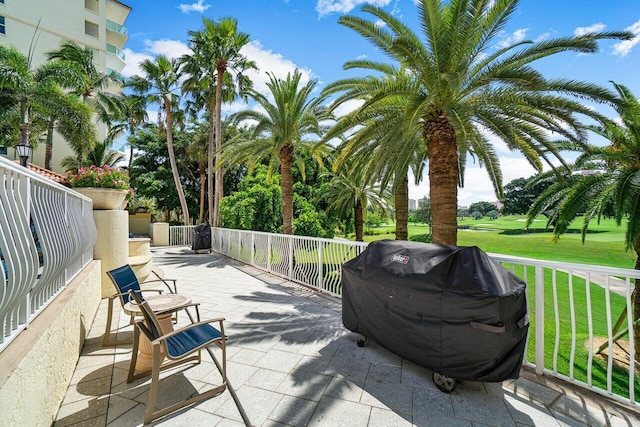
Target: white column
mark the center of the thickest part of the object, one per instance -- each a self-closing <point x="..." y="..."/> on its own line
<point x="112" y="246"/>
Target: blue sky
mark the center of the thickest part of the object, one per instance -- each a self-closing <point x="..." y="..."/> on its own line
<point x="305" y="34"/>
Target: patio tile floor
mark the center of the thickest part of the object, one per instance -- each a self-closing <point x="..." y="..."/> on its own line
<point x="292" y="363"/>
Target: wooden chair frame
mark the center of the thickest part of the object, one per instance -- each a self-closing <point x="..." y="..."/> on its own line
<point x="150" y="327"/>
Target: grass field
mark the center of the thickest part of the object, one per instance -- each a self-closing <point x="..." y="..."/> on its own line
<point x="604" y="244"/>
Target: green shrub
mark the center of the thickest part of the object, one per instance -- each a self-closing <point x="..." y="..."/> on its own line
<point x="424" y="238"/>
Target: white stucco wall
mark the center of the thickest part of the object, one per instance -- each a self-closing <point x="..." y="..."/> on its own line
<point x="36" y="368"/>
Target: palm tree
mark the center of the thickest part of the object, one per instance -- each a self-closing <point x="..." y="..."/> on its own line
<point x="91" y="86"/>
<point x="160" y="79"/>
<point x="464" y="84"/>
<point x="603" y="177"/>
<point x="127" y="113"/>
<point x="285" y="125"/>
<point x="350" y="192"/>
<point x="216" y="51"/>
<point x="93" y="83"/>
<point x="35" y="94"/>
<point x="198" y="153"/>
<point x="99" y="155"/>
<point x="379" y="139"/>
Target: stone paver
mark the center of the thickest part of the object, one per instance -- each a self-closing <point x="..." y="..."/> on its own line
<point x="292" y="363"/>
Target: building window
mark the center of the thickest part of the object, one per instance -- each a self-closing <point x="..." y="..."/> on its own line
<point x="92" y="5"/>
<point x="91" y="29"/>
<point x="3" y="29"/>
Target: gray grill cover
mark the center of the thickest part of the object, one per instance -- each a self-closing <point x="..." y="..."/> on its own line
<point x="450" y="309"/>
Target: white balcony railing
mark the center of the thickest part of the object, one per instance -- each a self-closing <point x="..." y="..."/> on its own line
<point x="579" y="313"/>
<point x="46" y="238"/>
<point x="118" y="28"/>
<point x="114" y="50"/>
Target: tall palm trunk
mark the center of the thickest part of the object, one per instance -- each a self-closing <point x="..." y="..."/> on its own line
<point x="359" y="220"/>
<point x="174" y="165"/>
<point x="210" y="150"/>
<point x="48" y="152"/>
<point x="218" y="136"/>
<point x="286" y="157"/>
<point x="443" y="179"/>
<point x="132" y="127"/>
<point x="401" y="198"/>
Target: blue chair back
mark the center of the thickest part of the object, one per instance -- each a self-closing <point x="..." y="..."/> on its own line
<point x="125" y="280"/>
<point x="152" y="329"/>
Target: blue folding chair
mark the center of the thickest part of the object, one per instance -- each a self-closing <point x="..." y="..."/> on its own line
<point x="125" y="280"/>
<point x="180" y="346"/>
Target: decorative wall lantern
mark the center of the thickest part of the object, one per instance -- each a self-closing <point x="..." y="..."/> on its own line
<point x="24" y="152"/>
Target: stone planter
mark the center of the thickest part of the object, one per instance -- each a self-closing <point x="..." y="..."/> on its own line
<point x="103" y="198"/>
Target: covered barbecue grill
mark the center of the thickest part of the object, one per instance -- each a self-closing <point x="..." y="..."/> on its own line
<point x="201" y="238"/>
<point x="450" y="309"/>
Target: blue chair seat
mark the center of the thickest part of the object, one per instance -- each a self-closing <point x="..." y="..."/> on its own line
<point x="185" y="342"/>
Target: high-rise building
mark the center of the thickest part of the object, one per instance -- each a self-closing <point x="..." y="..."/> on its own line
<point x="44" y="24"/>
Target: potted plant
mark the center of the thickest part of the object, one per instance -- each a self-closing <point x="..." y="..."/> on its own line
<point x="142" y="205"/>
<point x="106" y="186"/>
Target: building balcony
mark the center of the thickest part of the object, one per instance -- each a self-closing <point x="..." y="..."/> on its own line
<point x="117" y="34"/>
<point x="115" y="58"/>
<point x="118" y="28"/>
<point x="115" y="51"/>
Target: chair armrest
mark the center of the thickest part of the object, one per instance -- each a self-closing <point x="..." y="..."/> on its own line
<point x="181" y="307"/>
<point x="159" y="291"/>
<point x="220" y="321"/>
<point x="172" y="288"/>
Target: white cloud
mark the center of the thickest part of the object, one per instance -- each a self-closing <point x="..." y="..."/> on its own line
<point x="169" y="48"/>
<point x="360" y="57"/>
<point x="133" y="60"/>
<point x="275" y="63"/>
<point x="234" y="107"/>
<point x="327" y="7"/>
<point x="515" y="37"/>
<point x="199" y="7"/>
<point x="348" y="107"/>
<point x="624" y="47"/>
<point x="166" y="47"/>
<point x="543" y="37"/>
<point x="581" y="31"/>
<point x="380" y="23"/>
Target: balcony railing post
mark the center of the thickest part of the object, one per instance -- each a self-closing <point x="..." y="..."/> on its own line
<point x="269" y="253"/>
<point x="253" y="243"/>
<point x="320" y="269"/>
<point x="290" y="238"/>
<point x="539" y="280"/>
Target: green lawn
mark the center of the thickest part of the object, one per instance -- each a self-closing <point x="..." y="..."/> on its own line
<point x="604" y="244"/>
